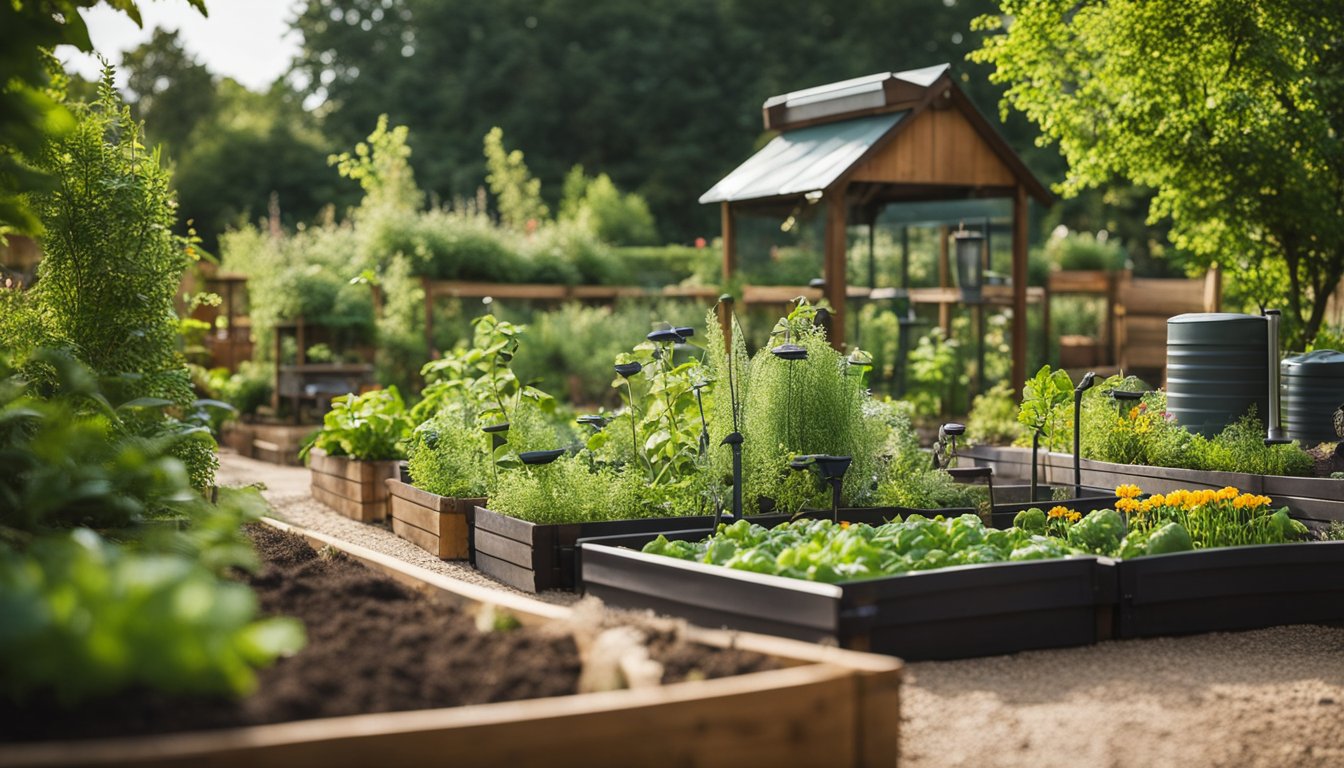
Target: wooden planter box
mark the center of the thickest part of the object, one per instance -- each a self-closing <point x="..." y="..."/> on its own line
<point x="533" y="557"/>
<point x="440" y="525"/>
<point x="356" y="489"/>
<point x="951" y="613"/>
<point x="1231" y="588"/>
<point x="828" y="707"/>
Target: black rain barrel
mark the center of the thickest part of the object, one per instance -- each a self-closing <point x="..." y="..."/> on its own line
<point x="1217" y="368"/>
<point x="1313" y="387"/>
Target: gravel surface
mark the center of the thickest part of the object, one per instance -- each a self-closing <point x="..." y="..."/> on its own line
<point x="286" y="488"/>
<point x="1272" y="697"/>
<point x="1266" y="698"/>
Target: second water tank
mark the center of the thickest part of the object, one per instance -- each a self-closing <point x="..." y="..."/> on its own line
<point x="1313" y="387"/>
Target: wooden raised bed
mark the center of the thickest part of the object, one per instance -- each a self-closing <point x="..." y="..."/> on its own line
<point x="356" y="489"/>
<point x="829" y="707"/>
<point x="440" y="525"/>
<point x="950" y="613"/>
<point x="1231" y="588"/>
<point x="535" y="557"/>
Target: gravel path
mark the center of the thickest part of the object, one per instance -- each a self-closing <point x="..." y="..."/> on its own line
<point x="286" y="489"/>
<point x="1261" y="699"/>
<point x="1272" y="697"/>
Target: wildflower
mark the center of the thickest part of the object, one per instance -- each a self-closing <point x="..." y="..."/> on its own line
<point x="1128" y="491"/>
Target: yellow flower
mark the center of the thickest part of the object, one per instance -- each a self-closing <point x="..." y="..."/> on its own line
<point x="1128" y="505"/>
<point x="1075" y="517"/>
<point x="1058" y="512"/>
<point x="1134" y="413"/>
<point x="1227" y="494"/>
<point x="1127" y="491"/>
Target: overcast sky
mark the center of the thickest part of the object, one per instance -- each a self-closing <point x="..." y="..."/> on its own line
<point x="248" y="40"/>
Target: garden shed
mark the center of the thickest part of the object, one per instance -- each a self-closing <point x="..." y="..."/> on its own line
<point x="859" y="145"/>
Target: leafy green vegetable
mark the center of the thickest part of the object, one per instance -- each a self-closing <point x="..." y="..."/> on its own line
<point x="1100" y="532"/>
<point x="1030" y="520"/>
<point x="367" y="427"/>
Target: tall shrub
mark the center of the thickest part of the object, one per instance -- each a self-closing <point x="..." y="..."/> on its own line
<point x="112" y="265"/>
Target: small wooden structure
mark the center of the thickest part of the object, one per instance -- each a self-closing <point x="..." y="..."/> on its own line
<point x="859" y="145"/>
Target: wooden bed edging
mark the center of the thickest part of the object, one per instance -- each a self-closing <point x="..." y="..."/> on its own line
<point x="832" y="707"/>
<point x="356" y="489"/>
<point x="440" y="525"/>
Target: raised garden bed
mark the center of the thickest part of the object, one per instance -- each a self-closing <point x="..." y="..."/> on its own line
<point x="356" y="489"/>
<point x="1315" y="500"/>
<point x="818" y="706"/>
<point x="535" y="557"/>
<point x="437" y="524"/>
<point x="1231" y="588"/>
<point x="960" y="612"/>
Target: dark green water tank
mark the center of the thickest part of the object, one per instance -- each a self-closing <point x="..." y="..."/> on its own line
<point x="1217" y="368"/>
<point x="1313" y="387"/>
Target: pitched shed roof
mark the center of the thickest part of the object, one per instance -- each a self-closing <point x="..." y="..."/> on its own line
<point x="831" y="130"/>
<point x="802" y="160"/>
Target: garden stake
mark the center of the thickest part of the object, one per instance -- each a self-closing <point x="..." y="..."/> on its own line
<point x="1088" y="380"/>
<point x="733" y="440"/>
<point x="789" y="352"/>
<point x="1035" y="445"/>
<point x="831" y="469"/>
<point x="625" y="371"/>
<point x="704" y="425"/>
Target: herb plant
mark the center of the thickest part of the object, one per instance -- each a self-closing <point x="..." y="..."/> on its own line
<point x="367" y="427"/>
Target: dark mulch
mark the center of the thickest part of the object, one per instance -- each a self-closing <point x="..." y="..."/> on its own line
<point x="373" y="646"/>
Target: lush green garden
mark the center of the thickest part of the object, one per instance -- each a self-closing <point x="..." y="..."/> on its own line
<point x="739" y="444"/>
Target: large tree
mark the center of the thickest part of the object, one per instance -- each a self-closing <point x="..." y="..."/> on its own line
<point x="170" y="90"/>
<point x="1230" y="111"/>
<point x="662" y="97"/>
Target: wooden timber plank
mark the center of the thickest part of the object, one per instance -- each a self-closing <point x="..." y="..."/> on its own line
<point x="420" y="537"/>
<point x="365" y="513"/>
<point x="519" y="553"/>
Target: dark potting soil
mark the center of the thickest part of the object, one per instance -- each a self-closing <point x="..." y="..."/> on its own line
<point x="373" y="646"/>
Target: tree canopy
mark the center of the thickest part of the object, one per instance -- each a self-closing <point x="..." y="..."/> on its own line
<point x="1230" y="112"/>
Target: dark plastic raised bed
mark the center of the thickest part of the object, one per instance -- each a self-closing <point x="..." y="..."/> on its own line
<point x="952" y="613"/>
<point x="1231" y="588"/>
<point x="535" y="557"/>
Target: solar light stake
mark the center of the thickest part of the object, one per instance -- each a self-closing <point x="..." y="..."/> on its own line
<point x="1089" y="379"/>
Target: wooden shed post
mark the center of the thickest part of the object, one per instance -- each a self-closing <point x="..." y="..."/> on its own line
<point x="1019" y="288"/>
<point x="729" y="241"/>
<point x="834" y="263"/>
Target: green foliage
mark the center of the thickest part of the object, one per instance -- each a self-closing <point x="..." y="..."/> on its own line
<point x="110" y="270"/>
<point x="368" y="427"/>
<point x="598" y="206"/>
<point x="993" y="417"/>
<point x="382" y="167"/>
<point x="172" y="91"/>
<point x="246" y="390"/>
<point x="1147" y="434"/>
<point x="1044" y="409"/>
<point x="658" y="431"/>
<point x="30" y="116"/>
<point x="1084" y="250"/>
<point x="1231" y="113"/>
<point x="479" y="379"/>
<point x="140" y="601"/>
<point x="450" y="456"/>
<point x="517" y="194"/>
<point x="789" y="408"/>
<point x="569" y="490"/>
<point x="819" y="550"/>
<point x="907" y="478"/>
<point x="86" y="617"/>
<point x="936" y="372"/>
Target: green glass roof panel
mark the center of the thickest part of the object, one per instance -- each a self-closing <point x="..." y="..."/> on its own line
<point x="802" y="160"/>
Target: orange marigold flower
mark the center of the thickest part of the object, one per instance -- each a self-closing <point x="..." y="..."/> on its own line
<point x="1227" y="494"/>
<point x="1058" y="512"/>
<point x="1075" y="517"/>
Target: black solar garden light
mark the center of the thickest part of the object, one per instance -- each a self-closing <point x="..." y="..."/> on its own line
<point x="831" y="470"/>
<point x="495" y="432"/>
<point x="625" y="371"/>
<point x="704" y="425"/>
<point x="537" y="458"/>
<point x="597" y="422"/>
<point x="789" y="353"/>
<point x="1089" y="379"/>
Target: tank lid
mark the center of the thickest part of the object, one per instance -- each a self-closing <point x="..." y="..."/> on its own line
<point x="1321" y="361"/>
<point x="1212" y="317"/>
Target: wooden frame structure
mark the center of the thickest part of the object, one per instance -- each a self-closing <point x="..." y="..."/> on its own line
<point x="859" y="145"/>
